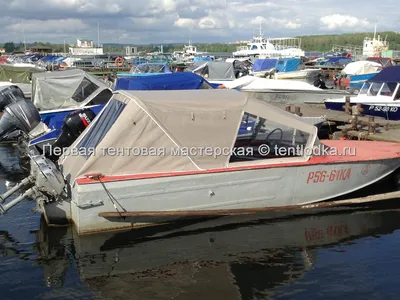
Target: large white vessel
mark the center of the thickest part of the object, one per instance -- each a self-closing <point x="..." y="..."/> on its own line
<point x="271" y="47"/>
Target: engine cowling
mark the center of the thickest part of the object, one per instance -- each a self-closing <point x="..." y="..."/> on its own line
<point x="74" y="124"/>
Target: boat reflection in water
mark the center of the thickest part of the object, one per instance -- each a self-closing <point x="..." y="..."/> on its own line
<point x="245" y="258"/>
<point x="12" y="167"/>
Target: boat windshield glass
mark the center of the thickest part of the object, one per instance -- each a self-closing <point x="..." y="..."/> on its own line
<point x="388" y="89"/>
<point x="374" y="90"/>
<point x="259" y="135"/>
<point x="365" y="88"/>
<point x="84" y="90"/>
<point x="397" y="96"/>
<point x="99" y="129"/>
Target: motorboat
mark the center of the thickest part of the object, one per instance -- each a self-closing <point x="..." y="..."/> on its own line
<point x="144" y="162"/>
<point x="293" y="68"/>
<point x="58" y="94"/>
<point x="360" y="71"/>
<point x="147" y="69"/>
<point x="379" y="96"/>
<point x="215" y="72"/>
<point x="19" y="75"/>
<point x="285" y="91"/>
<point x="264" y="67"/>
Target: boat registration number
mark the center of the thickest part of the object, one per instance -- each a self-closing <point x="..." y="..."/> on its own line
<point x="383" y="108"/>
<point x="328" y="176"/>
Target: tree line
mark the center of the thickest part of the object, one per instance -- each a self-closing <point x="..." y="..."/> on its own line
<point x="320" y="43"/>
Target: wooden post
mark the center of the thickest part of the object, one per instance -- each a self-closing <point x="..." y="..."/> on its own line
<point x="288" y="108"/>
<point x="346" y="106"/>
<point x="297" y="111"/>
<point x="371" y="125"/>
<point x="354" y="122"/>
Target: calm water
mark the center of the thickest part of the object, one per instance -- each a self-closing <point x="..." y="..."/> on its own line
<point x="348" y="254"/>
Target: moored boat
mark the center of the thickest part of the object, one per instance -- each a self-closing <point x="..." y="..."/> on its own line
<point x="144" y="162"/>
<point x="378" y="96"/>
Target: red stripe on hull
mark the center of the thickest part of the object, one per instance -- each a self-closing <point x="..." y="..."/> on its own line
<point x="365" y="152"/>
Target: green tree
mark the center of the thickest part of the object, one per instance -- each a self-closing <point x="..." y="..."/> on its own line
<point x="9" y="47"/>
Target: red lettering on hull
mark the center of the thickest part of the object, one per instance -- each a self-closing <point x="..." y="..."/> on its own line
<point x="328" y="176"/>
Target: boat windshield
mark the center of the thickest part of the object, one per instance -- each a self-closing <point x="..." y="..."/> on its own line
<point x="374" y="90"/>
<point x="388" y="89"/>
<point x="259" y="134"/>
<point x="365" y="88"/>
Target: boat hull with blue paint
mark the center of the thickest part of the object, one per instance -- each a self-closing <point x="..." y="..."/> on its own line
<point x="387" y="111"/>
<point x="357" y="81"/>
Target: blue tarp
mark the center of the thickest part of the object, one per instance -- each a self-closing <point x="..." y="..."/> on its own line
<point x="264" y="64"/>
<point x="173" y="81"/>
<point x="202" y="58"/>
<point x="288" y="64"/>
<point x="389" y="74"/>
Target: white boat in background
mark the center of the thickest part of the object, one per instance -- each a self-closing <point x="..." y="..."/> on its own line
<point x="290" y="91"/>
<point x="299" y="74"/>
<point x="270" y="47"/>
<point x="162" y="175"/>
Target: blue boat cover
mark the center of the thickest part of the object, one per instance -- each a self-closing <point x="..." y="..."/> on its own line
<point x="264" y="64"/>
<point x="288" y="64"/>
<point x="202" y="58"/>
<point x="389" y="74"/>
<point x="173" y="81"/>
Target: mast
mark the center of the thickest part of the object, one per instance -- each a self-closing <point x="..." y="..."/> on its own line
<point x="98" y="35"/>
<point x="23" y="34"/>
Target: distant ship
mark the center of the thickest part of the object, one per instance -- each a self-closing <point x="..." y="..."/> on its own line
<point x="271" y="47"/>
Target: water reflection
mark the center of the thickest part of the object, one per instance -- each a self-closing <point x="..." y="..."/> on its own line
<point x="250" y="259"/>
<point x="12" y="167"/>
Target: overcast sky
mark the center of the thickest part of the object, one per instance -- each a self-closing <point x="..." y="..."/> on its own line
<point x="168" y="21"/>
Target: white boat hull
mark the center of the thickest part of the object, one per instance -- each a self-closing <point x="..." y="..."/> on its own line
<point x="306" y="73"/>
<point x="242" y="189"/>
<point x="296" y="96"/>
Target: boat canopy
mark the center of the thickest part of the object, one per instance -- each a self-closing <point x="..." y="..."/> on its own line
<point x="362" y="67"/>
<point x="389" y="75"/>
<point x="288" y="64"/>
<point x="173" y="81"/>
<point x="66" y="89"/>
<point x="264" y="64"/>
<point x="161" y="67"/>
<point x="154" y="121"/>
<point x="213" y="70"/>
<point x="18" y="74"/>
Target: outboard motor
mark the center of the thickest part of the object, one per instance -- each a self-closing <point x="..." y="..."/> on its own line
<point x="74" y="124"/>
<point x="18" y="116"/>
<point x="10" y="94"/>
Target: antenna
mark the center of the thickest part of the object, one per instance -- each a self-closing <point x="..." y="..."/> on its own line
<point x="376" y="24"/>
<point x="23" y="34"/>
<point x="98" y="35"/>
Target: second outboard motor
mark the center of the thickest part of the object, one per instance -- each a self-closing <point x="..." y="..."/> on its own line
<point x="74" y="124"/>
<point x="22" y="115"/>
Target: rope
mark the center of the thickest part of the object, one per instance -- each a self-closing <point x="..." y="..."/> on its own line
<point x="113" y="199"/>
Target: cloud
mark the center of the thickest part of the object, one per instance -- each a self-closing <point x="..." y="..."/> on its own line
<point x="163" y="21"/>
<point x="338" y="21"/>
